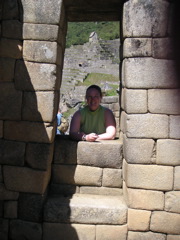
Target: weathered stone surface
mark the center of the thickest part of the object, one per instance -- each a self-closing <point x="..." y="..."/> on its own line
<point x="107" y="232"/>
<point x="101" y="191"/>
<point x="25" y="179"/>
<point x="177" y="178"/>
<point x="7" y="69"/>
<point x="147" y="126"/>
<point x="149" y="73"/>
<point x="12" y="152"/>
<point x="4" y="227"/>
<point x="11" y="10"/>
<point x="174" y="127"/>
<point x="168" y="152"/>
<point x="42" y="51"/>
<point x="112" y="178"/>
<point x="12" y="29"/>
<point x="1" y="208"/>
<point x="145" y="19"/>
<point x="59" y="231"/>
<point x="172" y="201"/>
<point x="149" y="177"/>
<point x="1" y="176"/>
<point x="10" y="209"/>
<point x="138" y="220"/>
<point x="65" y="150"/>
<point x="78" y="175"/>
<point x="173" y="237"/>
<point x="164" y="101"/>
<point x="110" y="99"/>
<point x="135" y="101"/>
<point x="165" y="222"/>
<point x="29" y="131"/>
<point x="138" y="150"/>
<point x="100" y="154"/>
<point x="89" y="209"/>
<point x="1" y="129"/>
<point x="31" y="76"/>
<point x="63" y="189"/>
<point x="145" y="236"/>
<point x="7" y="194"/>
<point x="39" y="155"/>
<point x="162" y="48"/>
<point x="144" y="199"/>
<point x="10" y="48"/>
<point x="137" y="47"/>
<point x="12" y="98"/>
<point x="25" y="230"/>
<point x="43" y="11"/>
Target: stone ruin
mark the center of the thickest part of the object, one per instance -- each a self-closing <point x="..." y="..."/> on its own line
<point x="55" y="188"/>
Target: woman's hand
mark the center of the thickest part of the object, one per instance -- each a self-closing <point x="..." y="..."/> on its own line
<point x="91" y="137"/>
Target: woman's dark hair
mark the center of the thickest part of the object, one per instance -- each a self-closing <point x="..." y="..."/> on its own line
<point x="95" y="87"/>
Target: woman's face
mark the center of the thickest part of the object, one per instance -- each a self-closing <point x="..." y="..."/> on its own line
<point x="93" y="99"/>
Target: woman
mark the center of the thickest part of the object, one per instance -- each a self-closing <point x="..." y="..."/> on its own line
<point x="93" y="122"/>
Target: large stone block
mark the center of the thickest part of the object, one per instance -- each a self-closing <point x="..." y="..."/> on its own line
<point x="137" y="47"/>
<point x="145" y="18"/>
<point x="165" y="222"/>
<point x="12" y="152"/>
<point x="101" y="191"/>
<point x="55" y="231"/>
<point x="174" y="127"/>
<point x="4" y="229"/>
<point x="150" y="177"/>
<point x="173" y="237"/>
<point x="146" y="236"/>
<point x="138" y="220"/>
<point x="112" y="178"/>
<point x="10" y="209"/>
<point x="1" y="129"/>
<point x="138" y="150"/>
<point x="29" y="131"/>
<point x="10" y="48"/>
<point x="10" y="102"/>
<point x="177" y="178"/>
<point x="25" y="179"/>
<point x="162" y="48"/>
<point x="104" y="154"/>
<point x="107" y="232"/>
<point x="149" y="73"/>
<point x="147" y="126"/>
<point x="42" y="51"/>
<point x="12" y="29"/>
<point x="172" y="201"/>
<point x="144" y="199"/>
<point x="1" y="176"/>
<point x="11" y="9"/>
<point x="43" y="11"/>
<point x="164" y="101"/>
<point x="7" y="194"/>
<point x="7" y="69"/>
<point x="31" y="76"/>
<point x="168" y="152"/>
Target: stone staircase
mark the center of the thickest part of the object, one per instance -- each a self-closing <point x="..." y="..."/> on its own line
<point x="86" y="192"/>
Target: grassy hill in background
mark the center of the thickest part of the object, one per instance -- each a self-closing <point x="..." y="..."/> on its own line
<point x="78" y="32"/>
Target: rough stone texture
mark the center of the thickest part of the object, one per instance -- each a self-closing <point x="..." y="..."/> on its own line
<point x="65" y="150"/>
<point x="6" y="194"/>
<point x="135" y="101"/>
<point x="149" y="73"/>
<point x="101" y="191"/>
<point x="137" y="47"/>
<point x="12" y="152"/>
<point x="29" y="131"/>
<point x="12" y="29"/>
<point x="172" y="201"/>
<point x="10" y="48"/>
<point x="138" y="220"/>
<point x="149" y="176"/>
<point x="63" y="189"/>
<point x="78" y="175"/>
<point x="25" y="230"/>
<point x="10" y="209"/>
<point x="39" y="155"/>
<point x="101" y="154"/>
<point x="25" y="179"/>
<point x="97" y="209"/>
<point x="10" y="10"/>
<point x="60" y="231"/>
<point x="7" y="69"/>
<point x="4" y="227"/>
<point x="165" y="222"/>
<point x="138" y="150"/>
<point x="162" y="48"/>
<point x="147" y="126"/>
<point x="42" y="51"/>
<point x="1" y="129"/>
<point x="112" y="178"/>
<point x="1" y="176"/>
<point x="106" y="232"/>
<point x="12" y="98"/>
<point x="145" y="236"/>
<point x="168" y="152"/>
<point x="144" y="199"/>
<point x="173" y="237"/>
<point x="164" y="101"/>
<point x="174" y="127"/>
<point x="177" y="178"/>
<point x="31" y="76"/>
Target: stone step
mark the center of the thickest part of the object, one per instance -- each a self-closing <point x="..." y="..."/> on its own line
<point x="86" y="209"/>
